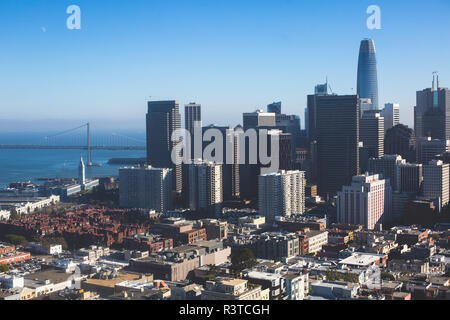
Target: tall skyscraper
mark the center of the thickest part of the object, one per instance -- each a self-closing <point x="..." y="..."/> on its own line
<point x="435" y="181"/>
<point x="427" y="149"/>
<point x="334" y="132"/>
<point x="401" y="140"/>
<point x="230" y="168"/>
<point x="410" y="177"/>
<point x="368" y="72"/>
<point x="81" y="172"/>
<point x="391" y="115"/>
<point x="163" y="119"/>
<point x="371" y="133"/>
<point x="204" y="185"/>
<point x="192" y="119"/>
<point x="367" y="201"/>
<point x="281" y="194"/>
<point x="146" y="188"/>
<point x="432" y="112"/>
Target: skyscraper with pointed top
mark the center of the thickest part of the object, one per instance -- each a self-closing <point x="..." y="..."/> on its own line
<point x="432" y="112"/>
<point x="368" y="72"/>
<point x="81" y="172"/>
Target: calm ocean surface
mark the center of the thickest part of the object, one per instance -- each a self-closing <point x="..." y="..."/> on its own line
<point x="24" y="165"/>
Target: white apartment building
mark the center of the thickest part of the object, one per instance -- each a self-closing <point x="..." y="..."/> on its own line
<point x="205" y="187"/>
<point x="436" y="181"/>
<point x="391" y="115"/>
<point x="281" y="194"/>
<point x="146" y="188"/>
<point x="367" y="202"/>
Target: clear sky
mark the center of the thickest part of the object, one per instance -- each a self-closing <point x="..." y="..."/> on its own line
<point x="231" y="56"/>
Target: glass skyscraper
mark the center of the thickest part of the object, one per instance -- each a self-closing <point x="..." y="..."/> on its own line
<point x="367" y="72"/>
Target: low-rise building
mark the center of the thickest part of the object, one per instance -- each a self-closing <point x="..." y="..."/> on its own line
<point x="231" y="289"/>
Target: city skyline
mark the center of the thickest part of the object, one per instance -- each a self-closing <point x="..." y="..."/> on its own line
<point x="76" y="81"/>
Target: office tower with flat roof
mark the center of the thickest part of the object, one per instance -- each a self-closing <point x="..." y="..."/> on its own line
<point x="274" y="108"/>
<point x="391" y="115"/>
<point x="310" y="111"/>
<point x="388" y="167"/>
<point x="411" y="177"/>
<point x="436" y="181"/>
<point x="367" y="86"/>
<point x="428" y="149"/>
<point x="371" y="133"/>
<point x="192" y="119"/>
<point x="146" y="188"/>
<point x="192" y="116"/>
<point x="204" y="185"/>
<point x="432" y="112"/>
<point x="250" y="170"/>
<point x="229" y="161"/>
<point x="163" y="121"/>
<point x="401" y="140"/>
<point x="281" y="194"/>
<point x="334" y="132"/>
<point x="367" y="202"/>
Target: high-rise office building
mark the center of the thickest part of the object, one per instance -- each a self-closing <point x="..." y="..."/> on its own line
<point x="192" y="119"/>
<point x="230" y="164"/>
<point x="367" y="86"/>
<point x="146" y="188"/>
<point x="205" y="188"/>
<point x="436" y="181"/>
<point x="365" y="105"/>
<point x="388" y="167"/>
<point x="427" y="149"/>
<point x="391" y="115"/>
<point x="274" y="108"/>
<point x="371" y="133"/>
<point x="281" y="194"/>
<point x="334" y="132"/>
<point x="259" y="118"/>
<point x="192" y="116"/>
<point x="410" y="177"/>
<point x="249" y="171"/>
<point x="401" y="140"/>
<point x="163" y="120"/>
<point x="432" y="112"/>
<point x="367" y="202"/>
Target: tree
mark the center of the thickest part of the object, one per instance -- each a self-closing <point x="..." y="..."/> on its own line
<point x="14" y="214"/>
<point x="4" y="268"/>
<point x="387" y="276"/>
<point x="16" y="239"/>
<point x="243" y="259"/>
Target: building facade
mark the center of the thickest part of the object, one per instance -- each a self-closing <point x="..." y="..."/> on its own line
<point x="366" y="202"/>
<point x="146" y="187"/>
<point x="163" y="134"/>
<point x="281" y="194"/>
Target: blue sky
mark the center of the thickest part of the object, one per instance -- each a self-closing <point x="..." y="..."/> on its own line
<point x="231" y="56"/>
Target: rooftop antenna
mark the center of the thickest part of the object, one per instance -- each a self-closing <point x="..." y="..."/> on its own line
<point x="435" y="73"/>
<point x="329" y="86"/>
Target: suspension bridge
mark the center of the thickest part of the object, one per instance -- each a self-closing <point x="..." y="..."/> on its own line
<point x="80" y="138"/>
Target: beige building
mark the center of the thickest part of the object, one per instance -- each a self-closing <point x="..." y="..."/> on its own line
<point x="231" y="289"/>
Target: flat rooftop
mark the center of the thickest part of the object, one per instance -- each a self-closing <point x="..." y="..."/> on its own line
<point x="362" y="259"/>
